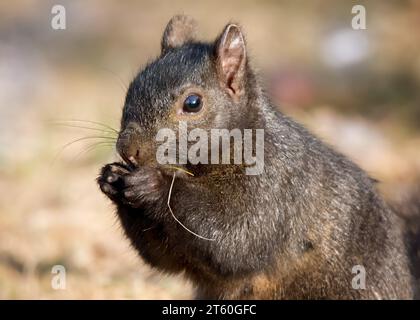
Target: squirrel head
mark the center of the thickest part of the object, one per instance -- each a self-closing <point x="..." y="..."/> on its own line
<point x="205" y="85"/>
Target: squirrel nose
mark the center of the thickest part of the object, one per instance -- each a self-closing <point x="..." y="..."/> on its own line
<point x="128" y="145"/>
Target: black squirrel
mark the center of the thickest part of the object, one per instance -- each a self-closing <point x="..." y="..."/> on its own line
<point x="293" y="232"/>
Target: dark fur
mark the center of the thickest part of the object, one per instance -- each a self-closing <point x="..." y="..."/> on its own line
<point x="293" y="232"/>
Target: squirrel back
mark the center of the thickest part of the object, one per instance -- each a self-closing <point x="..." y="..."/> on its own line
<point x="406" y="203"/>
<point x="299" y="229"/>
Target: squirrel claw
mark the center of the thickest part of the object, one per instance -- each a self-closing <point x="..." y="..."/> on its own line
<point x="132" y="188"/>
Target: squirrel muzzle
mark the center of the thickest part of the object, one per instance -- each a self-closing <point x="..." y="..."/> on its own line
<point x="128" y="145"/>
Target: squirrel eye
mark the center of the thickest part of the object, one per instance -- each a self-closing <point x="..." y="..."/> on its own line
<point x="193" y="103"/>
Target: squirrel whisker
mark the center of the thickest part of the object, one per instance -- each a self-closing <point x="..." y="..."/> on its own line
<point x="88" y="121"/>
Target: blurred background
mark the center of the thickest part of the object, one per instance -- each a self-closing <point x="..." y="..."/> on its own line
<point x="357" y="89"/>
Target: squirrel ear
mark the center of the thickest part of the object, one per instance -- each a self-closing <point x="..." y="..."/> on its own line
<point x="180" y="30"/>
<point x="231" y="59"/>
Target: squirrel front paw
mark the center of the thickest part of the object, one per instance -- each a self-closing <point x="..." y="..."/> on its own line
<point x="133" y="188"/>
